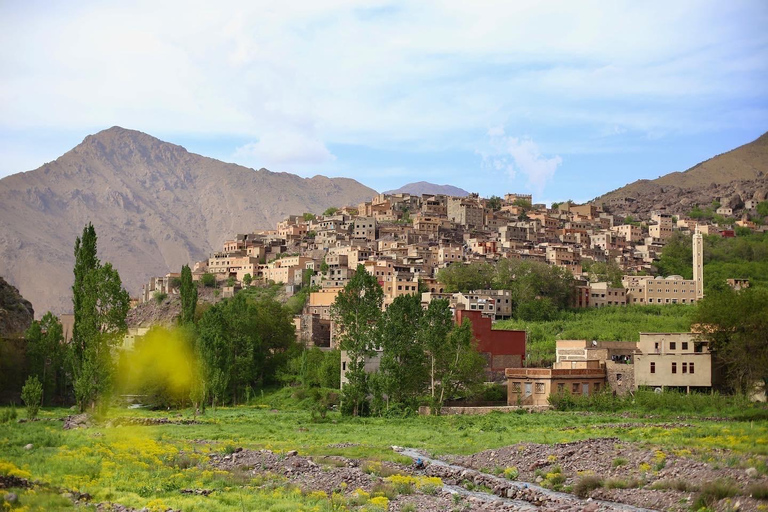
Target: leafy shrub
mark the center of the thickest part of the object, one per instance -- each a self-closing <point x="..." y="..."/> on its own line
<point x="160" y="297"/>
<point x="32" y="394"/>
<point x="512" y="473"/>
<point x="8" y="415"/>
<point x="677" y="484"/>
<point x="586" y="485"/>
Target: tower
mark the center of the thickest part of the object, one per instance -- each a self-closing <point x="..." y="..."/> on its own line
<point x="698" y="263"/>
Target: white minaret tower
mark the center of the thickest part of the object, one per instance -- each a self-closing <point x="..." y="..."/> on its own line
<point x="698" y="263"/>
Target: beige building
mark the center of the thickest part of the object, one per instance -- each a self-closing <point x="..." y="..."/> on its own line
<point x="532" y="386"/>
<point x="642" y="290"/>
<point x="603" y="294"/>
<point x="676" y="360"/>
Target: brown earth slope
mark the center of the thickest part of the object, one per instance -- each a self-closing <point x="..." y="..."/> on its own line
<point x="16" y="313"/>
<point x="732" y="178"/>
<point x="154" y="205"/>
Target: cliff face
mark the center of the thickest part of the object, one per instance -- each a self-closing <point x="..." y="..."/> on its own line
<point x="16" y="313"/>
<point x="732" y="178"/>
<point x="154" y="205"/>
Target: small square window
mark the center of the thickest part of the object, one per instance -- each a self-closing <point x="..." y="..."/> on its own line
<point x="674" y="367"/>
<point x="672" y="345"/>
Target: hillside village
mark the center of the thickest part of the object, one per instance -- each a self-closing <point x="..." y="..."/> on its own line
<point x="405" y="240"/>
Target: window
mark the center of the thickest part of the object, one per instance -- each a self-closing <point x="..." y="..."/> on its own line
<point x="674" y="367"/>
<point x="575" y="387"/>
<point x="653" y="367"/>
<point x="516" y="387"/>
<point x="539" y="387"/>
<point x="560" y="387"/>
<point x="685" y="343"/>
<point x="672" y="345"/>
<point x="685" y="367"/>
<point x="690" y="367"/>
<point x="596" y="387"/>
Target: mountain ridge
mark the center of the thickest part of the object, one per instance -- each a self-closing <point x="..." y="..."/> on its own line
<point x="734" y="176"/>
<point x="155" y="206"/>
<point x="418" y="188"/>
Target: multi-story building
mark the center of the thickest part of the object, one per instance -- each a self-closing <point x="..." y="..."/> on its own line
<point x="673" y="360"/>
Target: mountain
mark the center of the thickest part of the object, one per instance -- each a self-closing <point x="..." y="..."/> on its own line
<point x="154" y="205"/>
<point x="423" y="187"/>
<point x="731" y="178"/>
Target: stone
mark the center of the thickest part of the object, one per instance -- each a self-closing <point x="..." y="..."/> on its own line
<point x="291" y="453"/>
<point x="12" y="497"/>
<point x="751" y="472"/>
<point x="29" y="446"/>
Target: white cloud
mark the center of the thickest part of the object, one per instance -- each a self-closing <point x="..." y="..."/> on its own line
<point x="513" y="155"/>
<point x="376" y="73"/>
<point x="283" y="148"/>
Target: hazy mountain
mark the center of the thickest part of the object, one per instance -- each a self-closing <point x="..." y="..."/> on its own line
<point x="423" y="187"/>
<point x="154" y="205"/>
<point x="733" y="177"/>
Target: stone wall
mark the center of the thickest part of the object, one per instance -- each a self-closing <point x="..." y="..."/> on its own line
<point x="620" y="377"/>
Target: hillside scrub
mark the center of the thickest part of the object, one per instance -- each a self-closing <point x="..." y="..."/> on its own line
<point x="604" y="324"/>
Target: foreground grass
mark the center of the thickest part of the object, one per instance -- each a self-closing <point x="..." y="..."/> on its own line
<point x="148" y="466"/>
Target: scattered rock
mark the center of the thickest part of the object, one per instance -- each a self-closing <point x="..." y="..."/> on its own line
<point x="77" y="421"/>
<point x="11" y="497"/>
<point x="28" y="446"/>
<point x="751" y="472"/>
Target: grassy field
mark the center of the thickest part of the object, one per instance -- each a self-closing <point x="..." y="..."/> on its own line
<point x="606" y="324"/>
<point x="148" y="466"/>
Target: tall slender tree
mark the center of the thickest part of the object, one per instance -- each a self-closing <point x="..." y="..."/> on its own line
<point x="188" y="292"/>
<point x="45" y="353"/>
<point x="100" y="306"/>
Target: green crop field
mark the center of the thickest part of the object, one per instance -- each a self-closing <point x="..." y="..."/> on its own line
<point x="148" y="466"/>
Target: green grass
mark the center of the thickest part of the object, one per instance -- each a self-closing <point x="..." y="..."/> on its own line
<point x="605" y="324"/>
<point x="147" y="466"/>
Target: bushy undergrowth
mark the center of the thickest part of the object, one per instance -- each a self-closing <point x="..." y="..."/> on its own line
<point x="606" y="324"/>
<point x="737" y="407"/>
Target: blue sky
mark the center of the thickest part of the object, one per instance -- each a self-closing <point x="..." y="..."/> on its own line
<point x="565" y="100"/>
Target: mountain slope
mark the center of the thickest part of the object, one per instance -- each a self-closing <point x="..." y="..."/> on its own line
<point x="423" y="187"/>
<point x="154" y="205"/>
<point x="735" y="176"/>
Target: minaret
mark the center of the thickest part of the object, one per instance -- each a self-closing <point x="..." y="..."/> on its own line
<point x="698" y="263"/>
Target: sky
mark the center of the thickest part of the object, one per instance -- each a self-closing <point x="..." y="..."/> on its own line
<point x="564" y="100"/>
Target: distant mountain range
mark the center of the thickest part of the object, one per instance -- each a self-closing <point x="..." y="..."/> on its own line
<point x="154" y="205"/>
<point x="423" y="187"/>
<point x="731" y="178"/>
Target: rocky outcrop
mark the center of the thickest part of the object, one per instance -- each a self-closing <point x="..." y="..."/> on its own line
<point x="16" y="313"/>
<point x="731" y="179"/>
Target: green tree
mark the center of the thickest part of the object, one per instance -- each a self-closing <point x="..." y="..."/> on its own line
<point x="736" y="324"/>
<point x="459" y="367"/>
<point x="357" y="311"/>
<point x="463" y="277"/>
<point x="403" y="361"/>
<point x="100" y="307"/>
<point x="330" y="211"/>
<point x="188" y="292"/>
<point x="208" y="280"/>
<point x="435" y="325"/>
<point x="762" y="208"/>
<point x="32" y="394"/>
<point x="46" y="356"/>
<point x="308" y="216"/>
<point x="494" y="203"/>
<point x="247" y="279"/>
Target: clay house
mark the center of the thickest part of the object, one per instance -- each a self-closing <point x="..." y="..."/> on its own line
<point x="532" y="386"/>
<point x="502" y="348"/>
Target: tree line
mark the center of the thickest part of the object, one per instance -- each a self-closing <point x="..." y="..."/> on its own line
<point x="424" y="357"/>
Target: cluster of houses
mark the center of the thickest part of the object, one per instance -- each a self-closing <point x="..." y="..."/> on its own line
<point x="404" y="240"/>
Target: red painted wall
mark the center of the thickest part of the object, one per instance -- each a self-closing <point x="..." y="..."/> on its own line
<point x="499" y="342"/>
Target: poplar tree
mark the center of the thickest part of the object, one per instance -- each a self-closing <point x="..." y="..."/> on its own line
<point x="100" y="305"/>
<point x="188" y="292"/>
<point x="45" y="352"/>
